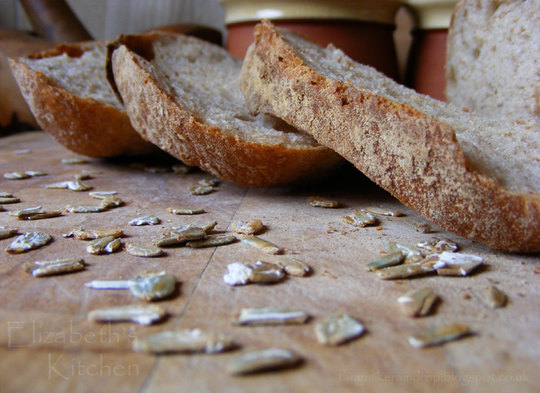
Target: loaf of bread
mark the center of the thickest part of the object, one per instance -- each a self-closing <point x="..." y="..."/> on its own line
<point x="493" y="58"/>
<point x="67" y="91"/>
<point x="476" y="177"/>
<point x="181" y="94"/>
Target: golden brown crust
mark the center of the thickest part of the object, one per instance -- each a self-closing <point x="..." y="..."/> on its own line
<point x="83" y="125"/>
<point x="413" y="156"/>
<point x="160" y="119"/>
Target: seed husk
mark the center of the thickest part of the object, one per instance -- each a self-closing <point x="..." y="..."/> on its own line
<point x="406" y="270"/>
<point x="382" y="211"/>
<point x="317" y="201"/>
<point x="7" y="232"/>
<point x="82" y="176"/>
<point x="418" y="302"/>
<point x="263" y="360"/>
<point x="8" y="200"/>
<point x="74" y="160"/>
<point x="360" y="218"/>
<point x="209" y="182"/>
<point x="495" y="297"/>
<point x="34" y="213"/>
<point x="209" y="227"/>
<point x="181" y="235"/>
<point x="102" y="194"/>
<point x="180" y="169"/>
<point x="153" y="286"/>
<point x="412" y="254"/>
<point x="259" y="272"/>
<point x="423" y="227"/>
<point x="185" y="211"/>
<point x="457" y="264"/>
<point x="16" y="175"/>
<point x="35" y="173"/>
<point x="91" y="234"/>
<point x="28" y="241"/>
<point x="111" y="202"/>
<point x="337" y="329"/>
<point x="271" y="316"/>
<point x="219" y="239"/>
<point x="143" y="315"/>
<point x="436" y="245"/>
<point x="261" y="244"/>
<point x="4" y="194"/>
<point x="392" y="259"/>
<point x="144" y="251"/>
<point x="52" y="267"/>
<point x="200" y="190"/>
<point x="84" y="209"/>
<point x="248" y="227"/>
<point x="104" y="245"/>
<point x="184" y="341"/>
<point x="145" y="220"/>
<point x="23" y="151"/>
<point x="438" y="335"/>
<point x="293" y="266"/>
<point x="157" y="169"/>
<point x="73" y="185"/>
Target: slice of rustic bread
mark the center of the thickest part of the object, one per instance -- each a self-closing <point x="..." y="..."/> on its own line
<point x="67" y="91"/>
<point x="181" y="94"/>
<point x="475" y="177"/>
<point x="493" y="58"/>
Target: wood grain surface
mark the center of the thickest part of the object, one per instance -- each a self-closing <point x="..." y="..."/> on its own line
<point x="48" y="345"/>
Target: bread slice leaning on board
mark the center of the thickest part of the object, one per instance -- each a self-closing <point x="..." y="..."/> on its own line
<point x="493" y="58"/>
<point x="67" y="91"/>
<point x="472" y="176"/>
<point x="181" y="94"/>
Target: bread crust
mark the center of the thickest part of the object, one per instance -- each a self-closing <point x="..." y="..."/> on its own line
<point x="160" y="119"/>
<point x="415" y="157"/>
<point x="82" y="124"/>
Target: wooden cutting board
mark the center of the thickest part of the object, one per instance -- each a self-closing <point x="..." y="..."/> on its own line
<point x="47" y="344"/>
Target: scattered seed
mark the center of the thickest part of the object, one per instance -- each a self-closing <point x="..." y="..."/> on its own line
<point x="84" y="209"/>
<point x="360" y="218"/>
<point x="411" y="254"/>
<point x="8" y="200"/>
<point x="406" y="270"/>
<point x="153" y="286"/>
<point x="338" y="329"/>
<point x="436" y="245"/>
<point x="418" y="302"/>
<point x="237" y="274"/>
<point x="317" y="201"/>
<point x="259" y="272"/>
<point x="184" y="341"/>
<point x="185" y="211"/>
<point x="144" y="251"/>
<point x="209" y="182"/>
<point x="104" y="245"/>
<point x="7" y="232"/>
<point x="91" y="234"/>
<point x="201" y="190"/>
<point x="35" y="173"/>
<point x="181" y="235"/>
<point x="219" y="239"/>
<point x="381" y="211"/>
<point x="249" y="227"/>
<point x="261" y="244"/>
<point x="28" y="241"/>
<point x="437" y="336"/>
<point x="293" y="266"/>
<point x="392" y="259"/>
<point x="6" y="194"/>
<point x="456" y="264"/>
<point x="145" y="220"/>
<point x="108" y="284"/>
<point x="111" y="202"/>
<point x="73" y="185"/>
<point x="34" y="213"/>
<point x="102" y="194"/>
<point x="423" y="227"/>
<point x="143" y="315"/>
<point x="74" y="160"/>
<point x="57" y="266"/>
<point x="180" y="169"/>
<point x="83" y="176"/>
<point x="16" y="176"/>
<point x="271" y="316"/>
<point x="157" y="169"/>
<point x="263" y="360"/>
<point x="23" y="151"/>
<point x="209" y="227"/>
<point x="495" y="297"/>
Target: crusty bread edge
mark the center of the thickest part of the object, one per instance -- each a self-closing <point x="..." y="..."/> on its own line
<point x="160" y="119"/>
<point x="82" y="124"/>
<point x="413" y="156"/>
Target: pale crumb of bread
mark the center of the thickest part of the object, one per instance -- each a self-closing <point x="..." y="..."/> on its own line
<point x="506" y="151"/>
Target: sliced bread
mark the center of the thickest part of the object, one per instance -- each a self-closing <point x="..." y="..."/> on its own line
<point x="67" y="91"/>
<point x="181" y="94"/>
<point x="475" y="177"/>
<point x="493" y="58"/>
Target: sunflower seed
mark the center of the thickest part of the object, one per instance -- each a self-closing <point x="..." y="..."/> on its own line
<point x="360" y="218"/>
<point x="6" y="232"/>
<point x="34" y="213"/>
<point x="181" y="235"/>
<point x="108" y="284"/>
<point x="209" y="227"/>
<point x="219" y="239"/>
<point x="317" y="201"/>
<point x="73" y="185"/>
<point x="153" y="286"/>
<point x="145" y="220"/>
<point x="261" y="244"/>
<point x="28" y="241"/>
<point x="406" y="271"/>
<point x="74" y="160"/>
<point x="437" y="336"/>
<point x="293" y="266"/>
<point x="249" y="227"/>
<point x="83" y="176"/>
<point x="338" y="329"/>
<point x="209" y="182"/>
<point x="418" y="302"/>
<point x="16" y="176"/>
<point x="35" y="173"/>
<point x="84" y="209"/>
<point x="436" y="245"/>
<point x="57" y="266"/>
<point x="271" y="316"/>
<point x="392" y="259"/>
<point x="185" y="211"/>
<point x="495" y="297"/>
<point x="111" y="202"/>
<point x="184" y="341"/>
<point x="91" y="234"/>
<point x="263" y="360"/>
<point x="143" y="315"/>
<point x="104" y="245"/>
<point x="7" y="200"/>
<point x="259" y="272"/>
<point x="180" y="169"/>
<point x="456" y="264"/>
<point x="144" y="251"/>
<point x="200" y="190"/>
<point x="4" y="194"/>
<point x="101" y="194"/>
<point x="411" y="254"/>
<point x="381" y="211"/>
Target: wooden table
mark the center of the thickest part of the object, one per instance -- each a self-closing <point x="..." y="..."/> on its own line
<point x="48" y="345"/>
